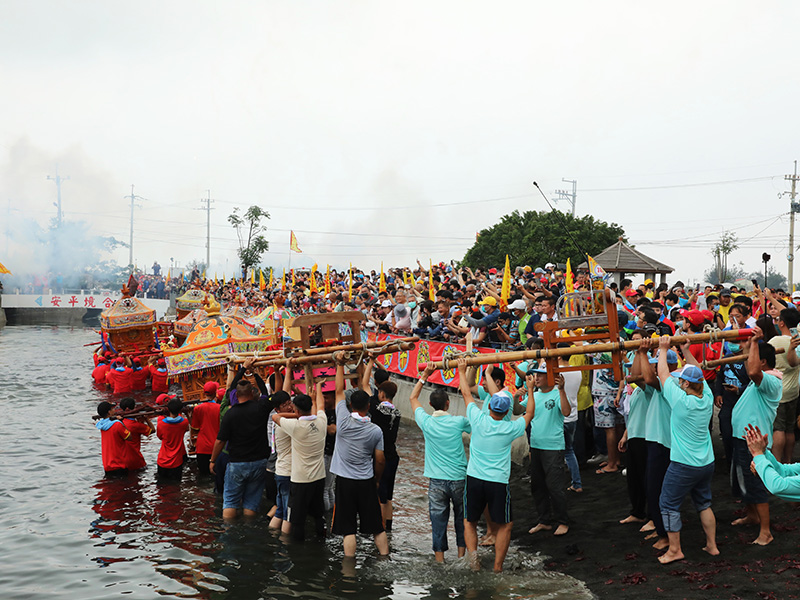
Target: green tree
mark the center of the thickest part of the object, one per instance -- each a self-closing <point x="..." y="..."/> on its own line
<point x="250" y="231"/>
<point x="535" y="238"/>
<point x="727" y="243"/>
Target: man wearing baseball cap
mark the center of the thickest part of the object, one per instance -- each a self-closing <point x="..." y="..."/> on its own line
<point x="691" y="466"/>
<point x="490" y="313"/>
<point x="120" y="375"/>
<point x="489" y="468"/>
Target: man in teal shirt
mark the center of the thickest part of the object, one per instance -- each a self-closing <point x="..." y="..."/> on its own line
<point x="445" y="465"/>
<point x="691" y="455"/>
<point x="757" y="407"/>
<point x="489" y="468"/>
<point x="780" y="479"/>
<point x="548" y="478"/>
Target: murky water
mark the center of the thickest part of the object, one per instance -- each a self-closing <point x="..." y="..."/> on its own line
<point x="66" y="532"/>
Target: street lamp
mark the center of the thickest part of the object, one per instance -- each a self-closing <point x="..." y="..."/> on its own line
<point x="765" y="258"/>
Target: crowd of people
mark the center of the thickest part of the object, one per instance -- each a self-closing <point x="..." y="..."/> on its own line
<point x="310" y="451"/>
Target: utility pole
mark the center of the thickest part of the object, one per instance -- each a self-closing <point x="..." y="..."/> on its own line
<point x="58" y="179"/>
<point x="794" y="207"/>
<point x="570" y="197"/>
<point x="133" y="198"/>
<point x="208" y="202"/>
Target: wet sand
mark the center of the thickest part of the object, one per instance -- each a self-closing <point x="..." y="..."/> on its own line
<point x="616" y="562"/>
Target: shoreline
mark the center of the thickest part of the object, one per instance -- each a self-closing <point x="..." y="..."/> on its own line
<point x="614" y="560"/>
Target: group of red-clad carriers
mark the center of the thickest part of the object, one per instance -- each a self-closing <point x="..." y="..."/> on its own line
<point x="121" y="436"/>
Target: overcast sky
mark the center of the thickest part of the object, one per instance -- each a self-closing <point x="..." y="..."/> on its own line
<point x="357" y="123"/>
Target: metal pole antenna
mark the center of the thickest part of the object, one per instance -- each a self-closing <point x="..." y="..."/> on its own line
<point x="208" y="201"/>
<point x="133" y="197"/>
<point x="58" y="179"/>
<point x="794" y="207"/>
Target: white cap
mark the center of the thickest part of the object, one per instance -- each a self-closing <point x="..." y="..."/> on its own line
<point x="386" y="304"/>
<point x="517" y="304"/>
<point x="796" y="295"/>
<point x="549" y="266"/>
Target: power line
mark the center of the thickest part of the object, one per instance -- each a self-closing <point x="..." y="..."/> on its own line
<point x="680" y="185"/>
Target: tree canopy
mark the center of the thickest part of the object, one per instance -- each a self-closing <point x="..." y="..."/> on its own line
<point x="250" y="231"/>
<point x="535" y="238"/>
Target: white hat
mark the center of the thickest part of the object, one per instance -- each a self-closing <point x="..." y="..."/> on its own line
<point x="549" y="266"/>
<point x="517" y="304"/>
<point x="386" y="304"/>
<point x="796" y="295"/>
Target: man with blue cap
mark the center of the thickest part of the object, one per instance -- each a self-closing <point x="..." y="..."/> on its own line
<point x="489" y="468"/>
<point x="691" y="455"/>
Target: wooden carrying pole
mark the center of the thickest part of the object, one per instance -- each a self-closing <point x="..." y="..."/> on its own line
<point x="330" y="356"/>
<point x="729" y="360"/>
<point x="504" y="357"/>
<point x="238" y="357"/>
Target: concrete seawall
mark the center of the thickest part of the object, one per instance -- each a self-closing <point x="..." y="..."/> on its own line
<point x="519" y="449"/>
<point x="51" y="316"/>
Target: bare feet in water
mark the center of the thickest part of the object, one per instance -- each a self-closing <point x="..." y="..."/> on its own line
<point x="540" y="527"/>
<point x="631" y="519"/>
<point x="487" y="540"/>
<point x="561" y="530"/>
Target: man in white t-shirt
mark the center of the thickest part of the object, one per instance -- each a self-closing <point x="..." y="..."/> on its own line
<point x="307" y="429"/>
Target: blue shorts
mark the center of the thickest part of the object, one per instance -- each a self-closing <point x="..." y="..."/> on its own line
<point x="284" y="485"/>
<point x="244" y="484"/>
<point x="681" y="480"/>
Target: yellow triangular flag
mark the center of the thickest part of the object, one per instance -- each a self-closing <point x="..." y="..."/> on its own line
<point x="261" y="283"/>
<point x="505" y="289"/>
<point x="382" y="282"/>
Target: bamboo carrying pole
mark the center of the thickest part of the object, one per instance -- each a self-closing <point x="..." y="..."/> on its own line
<point x="504" y="357"/>
<point x="302" y="352"/>
<point x="342" y="355"/>
<point x="729" y="360"/>
<point x="148" y="410"/>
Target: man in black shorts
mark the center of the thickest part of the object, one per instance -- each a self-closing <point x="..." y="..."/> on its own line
<point x="359" y="442"/>
<point x="489" y="467"/>
<point x="385" y="415"/>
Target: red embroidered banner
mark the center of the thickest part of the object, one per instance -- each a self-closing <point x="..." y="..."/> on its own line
<point x="405" y="362"/>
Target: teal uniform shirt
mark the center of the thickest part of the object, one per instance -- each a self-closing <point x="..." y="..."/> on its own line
<point x="637" y="415"/>
<point x="691" y="439"/>
<point x="547" y="427"/>
<point x="445" y="457"/>
<point x="659" y="415"/>
<point x="758" y="406"/>
<point x="781" y="480"/>
<point x="490" y="446"/>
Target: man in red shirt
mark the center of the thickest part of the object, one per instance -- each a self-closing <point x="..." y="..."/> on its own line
<point x="139" y="375"/>
<point x="100" y="371"/>
<point x="158" y="376"/>
<point x="119" y="376"/>
<point x="113" y="436"/>
<point x="170" y="431"/>
<point x="138" y="427"/>
<point x="205" y="426"/>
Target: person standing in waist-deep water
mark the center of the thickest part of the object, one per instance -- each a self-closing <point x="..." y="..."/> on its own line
<point x="171" y="431"/>
<point x="138" y="427"/>
<point x="205" y="426"/>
